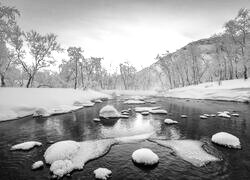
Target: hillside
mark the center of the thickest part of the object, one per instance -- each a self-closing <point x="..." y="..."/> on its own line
<point x="205" y="60"/>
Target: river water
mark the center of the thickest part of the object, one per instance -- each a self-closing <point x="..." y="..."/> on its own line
<point x="79" y="126"/>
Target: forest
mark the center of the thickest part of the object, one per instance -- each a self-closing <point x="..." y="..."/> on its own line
<point x="26" y="59"/>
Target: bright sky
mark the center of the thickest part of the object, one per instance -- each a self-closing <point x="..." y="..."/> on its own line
<point x="126" y="30"/>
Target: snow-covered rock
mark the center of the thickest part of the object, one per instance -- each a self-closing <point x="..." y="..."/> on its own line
<point x="183" y="116"/>
<point x="189" y="150"/>
<point x="26" y="145"/>
<point x="158" y="111"/>
<point x="66" y="156"/>
<point x="132" y="101"/>
<point x="125" y="113"/>
<point x="96" y="120"/>
<point x="109" y="111"/>
<point x="226" y="139"/>
<point x="203" y="117"/>
<point x="145" y="113"/>
<point x="142" y="109"/>
<point x="37" y="165"/>
<point x="42" y="111"/>
<point x="224" y="114"/>
<point x="124" y="116"/>
<point x="102" y="173"/>
<point x="235" y="114"/>
<point x="97" y="101"/>
<point x="170" y="121"/>
<point x="145" y="156"/>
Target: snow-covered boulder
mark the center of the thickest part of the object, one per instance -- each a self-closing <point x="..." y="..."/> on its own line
<point x="224" y="114"/>
<point x="61" y="150"/>
<point x="145" y="156"/>
<point x="158" y="111"/>
<point x="131" y="101"/>
<point x="235" y="114"/>
<point x="226" y="139"/>
<point x="97" y="101"/>
<point x="170" y="121"/>
<point x="37" y="165"/>
<point x="96" y="120"/>
<point x="102" y="173"/>
<point x="145" y="113"/>
<point x="66" y="156"/>
<point x="203" y="117"/>
<point x="183" y="116"/>
<point x="142" y="109"/>
<point x="109" y="111"/>
<point x="26" y="145"/>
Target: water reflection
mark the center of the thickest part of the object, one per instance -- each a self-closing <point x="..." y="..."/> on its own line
<point x="125" y="127"/>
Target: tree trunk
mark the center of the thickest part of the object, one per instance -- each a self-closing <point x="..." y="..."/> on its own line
<point x="2" y="80"/>
<point x="29" y="82"/>
<point x="245" y="72"/>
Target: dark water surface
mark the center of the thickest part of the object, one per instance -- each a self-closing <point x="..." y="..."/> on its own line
<point x="79" y="126"/>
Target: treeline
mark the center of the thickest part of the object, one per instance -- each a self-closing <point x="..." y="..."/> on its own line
<point x="222" y="57"/>
<point x="26" y="59"/>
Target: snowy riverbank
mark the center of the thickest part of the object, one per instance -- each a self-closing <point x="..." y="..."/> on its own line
<point x="20" y="102"/>
<point x="230" y="90"/>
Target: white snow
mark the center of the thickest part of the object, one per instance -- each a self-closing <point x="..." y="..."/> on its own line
<point x="170" y="121"/>
<point x="183" y="116"/>
<point x="20" y="102"/>
<point x="158" y="111"/>
<point x="235" y="114"/>
<point x="189" y="150"/>
<point x="102" y="173"/>
<point x="96" y="119"/>
<point x="224" y="114"/>
<point x="145" y="156"/>
<point x="109" y="111"/>
<point x="229" y="90"/>
<point x="37" y="165"/>
<point x="142" y="109"/>
<point x="145" y="113"/>
<point x="226" y="139"/>
<point x="26" y="145"/>
<point x="132" y="101"/>
<point x="66" y="156"/>
<point x="203" y="117"/>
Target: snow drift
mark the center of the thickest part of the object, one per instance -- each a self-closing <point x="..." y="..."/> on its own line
<point x="229" y="90"/>
<point x="20" y="102"/>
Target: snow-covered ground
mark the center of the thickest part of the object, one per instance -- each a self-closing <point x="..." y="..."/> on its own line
<point x="20" y="102"/>
<point x="230" y="90"/>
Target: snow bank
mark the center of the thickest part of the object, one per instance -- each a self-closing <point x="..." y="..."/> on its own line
<point x="189" y="150"/>
<point x="230" y="90"/>
<point x="66" y="156"/>
<point x="132" y="101"/>
<point x="20" y="102"/>
<point x="37" y="165"/>
<point x="170" y="121"/>
<point x="102" y="173"/>
<point x="226" y="139"/>
<point x="26" y="145"/>
<point x="109" y="111"/>
<point x="145" y="156"/>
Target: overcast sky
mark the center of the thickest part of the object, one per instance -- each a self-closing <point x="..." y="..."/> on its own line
<point x="132" y="30"/>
